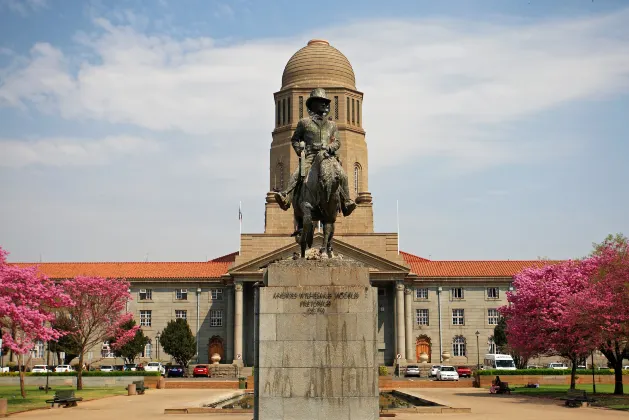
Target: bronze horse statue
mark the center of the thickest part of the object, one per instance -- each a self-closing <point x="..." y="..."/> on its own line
<point x="317" y="199"/>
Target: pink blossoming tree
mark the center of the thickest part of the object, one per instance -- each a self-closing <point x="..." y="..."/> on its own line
<point x="98" y="313"/>
<point x="606" y="308"/>
<point x="544" y="316"/>
<point x="27" y="303"/>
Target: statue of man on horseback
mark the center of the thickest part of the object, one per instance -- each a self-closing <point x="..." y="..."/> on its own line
<point x="319" y="186"/>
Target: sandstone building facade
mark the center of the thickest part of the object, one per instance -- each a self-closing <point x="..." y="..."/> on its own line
<point x="427" y="306"/>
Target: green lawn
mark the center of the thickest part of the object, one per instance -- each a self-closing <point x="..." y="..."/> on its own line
<point x="35" y="398"/>
<point x="604" y="394"/>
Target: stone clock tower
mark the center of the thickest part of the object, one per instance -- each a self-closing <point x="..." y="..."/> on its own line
<point x="318" y="64"/>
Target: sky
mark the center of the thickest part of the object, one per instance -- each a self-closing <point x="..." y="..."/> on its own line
<point x="131" y="130"/>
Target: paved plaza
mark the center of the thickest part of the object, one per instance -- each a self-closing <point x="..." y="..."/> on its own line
<point x="484" y="407"/>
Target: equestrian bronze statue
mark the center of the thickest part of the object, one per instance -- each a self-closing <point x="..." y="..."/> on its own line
<point x="318" y="189"/>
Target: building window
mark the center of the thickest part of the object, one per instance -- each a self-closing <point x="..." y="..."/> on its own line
<point x="217" y="294"/>
<point x="181" y="294"/>
<point x="290" y="111"/>
<point x="216" y="318"/>
<point x="301" y="107"/>
<point x="105" y="350"/>
<point x="336" y="107"/>
<point x="38" y="351"/>
<point x="421" y="316"/>
<point x="458" y="317"/>
<point x="493" y="293"/>
<point x="181" y="314"/>
<point x="356" y="178"/>
<point x="145" y="318"/>
<point x="348" y="114"/>
<point x="491" y="346"/>
<point x="277" y="114"/>
<point x="357" y="112"/>
<point x="146" y="294"/>
<point x="492" y="316"/>
<point x="353" y="117"/>
<point x="147" y="350"/>
<point x="457" y="293"/>
<point x="458" y="346"/>
<point x="421" y="293"/>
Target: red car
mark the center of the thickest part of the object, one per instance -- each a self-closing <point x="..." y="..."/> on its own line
<point x="464" y="372"/>
<point x="201" y="370"/>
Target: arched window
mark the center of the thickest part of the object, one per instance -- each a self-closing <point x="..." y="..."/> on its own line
<point x="458" y="346"/>
<point x="491" y="346"/>
<point x="301" y="107"/>
<point x="147" y="350"/>
<point x="357" y="112"/>
<point x="279" y="176"/>
<point x="357" y="171"/>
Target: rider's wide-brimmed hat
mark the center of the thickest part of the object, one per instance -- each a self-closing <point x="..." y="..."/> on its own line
<point x="318" y="93"/>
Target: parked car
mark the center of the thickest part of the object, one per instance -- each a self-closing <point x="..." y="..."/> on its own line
<point x="434" y="370"/>
<point x="106" y="368"/>
<point x="412" y="370"/>
<point x="625" y="367"/>
<point x="447" y="373"/>
<point x="582" y="367"/>
<point x="557" y="365"/>
<point x="175" y="371"/>
<point x="131" y="366"/>
<point x="201" y="370"/>
<point x="464" y="372"/>
<point x="64" y="368"/>
<point x="533" y="367"/>
<point x="40" y="369"/>
<point x="155" y="367"/>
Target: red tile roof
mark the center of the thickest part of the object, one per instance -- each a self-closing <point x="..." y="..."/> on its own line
<point x="471" y="268"/>
<point x="412" y="258"/>
<point x="134" y="270"/>
<point x="227" y="258"/>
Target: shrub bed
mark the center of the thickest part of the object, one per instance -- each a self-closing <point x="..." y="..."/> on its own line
<point x="86" y="373"/>
<point x="545" y="372"/>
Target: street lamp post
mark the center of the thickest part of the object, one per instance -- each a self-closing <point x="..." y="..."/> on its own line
<point x="157" y="339"/>
<point x="477" y="351"/>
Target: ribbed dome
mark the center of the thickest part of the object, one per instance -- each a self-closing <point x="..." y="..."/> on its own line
<point x="318" y="64"/>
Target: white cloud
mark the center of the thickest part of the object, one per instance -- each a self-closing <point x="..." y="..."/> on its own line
<point x="71" y="151"/>
<point x="23" y="7"/>
<point x="433" y="87"/>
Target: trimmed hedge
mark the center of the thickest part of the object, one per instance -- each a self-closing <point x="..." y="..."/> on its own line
<point x="87" y="373"/>
<point x="546" y="372"/>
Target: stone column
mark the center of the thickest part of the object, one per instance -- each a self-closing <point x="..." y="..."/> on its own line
<point x="238" y="323"/>
<point x="399" y="319"/>
<point x="408" y="318"/>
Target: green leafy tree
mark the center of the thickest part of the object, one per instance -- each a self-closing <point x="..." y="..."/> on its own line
<point x="132" y="348"/>
<point x="66" y="343"/>
<point x="178" y="341"/>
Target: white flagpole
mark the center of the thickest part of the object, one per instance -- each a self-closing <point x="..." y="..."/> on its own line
<point x="397" y="204"/>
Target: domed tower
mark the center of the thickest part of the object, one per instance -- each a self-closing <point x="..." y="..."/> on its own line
<point x="318" y="64"/>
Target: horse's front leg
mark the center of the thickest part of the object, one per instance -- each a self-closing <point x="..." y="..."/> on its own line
<point x="328" y="238"/>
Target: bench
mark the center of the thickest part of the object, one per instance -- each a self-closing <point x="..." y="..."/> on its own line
<point x="576" y="398"/>
<point x="139" y="387"/>
<point x="65" y="397"/>
<point x="503" y="388"/>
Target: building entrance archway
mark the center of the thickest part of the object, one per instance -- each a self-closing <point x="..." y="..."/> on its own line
<point x="216" y="345"/>
<point x="422" y="345"/>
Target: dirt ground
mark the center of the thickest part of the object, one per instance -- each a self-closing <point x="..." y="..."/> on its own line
<point x="484" y="407"/>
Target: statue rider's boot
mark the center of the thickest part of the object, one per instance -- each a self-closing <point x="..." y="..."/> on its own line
<point x="282" y="199"/>
<point x="347" y="205"/>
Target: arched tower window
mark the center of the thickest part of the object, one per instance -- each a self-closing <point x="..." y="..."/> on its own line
<point x="336" y="107"/>
<point x="353" y="115"/>
<point x="277" y="114"/>
<point x="279" y="176"/>
<point x="357" y="112"/>
<point x="301" y="107"/>
<point x="348" y="111"/>
<point x="357" y="170"/>
<point x="458" y="346"/>
<point x="284" y="111"/>
<point x="290" y="111"/>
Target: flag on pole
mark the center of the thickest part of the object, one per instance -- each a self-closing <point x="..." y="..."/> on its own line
<point x="240" y="211"/>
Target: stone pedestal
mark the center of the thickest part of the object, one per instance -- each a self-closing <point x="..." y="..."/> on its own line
<point x="316" y="342"/>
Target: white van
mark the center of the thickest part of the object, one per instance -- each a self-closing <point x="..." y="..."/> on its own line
<point x="499" y="361"/>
